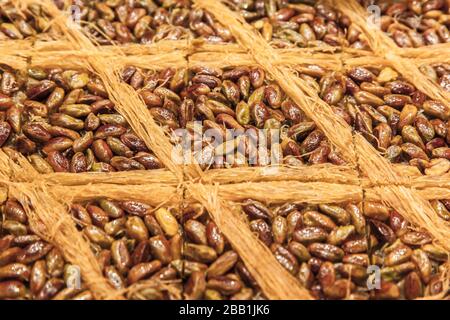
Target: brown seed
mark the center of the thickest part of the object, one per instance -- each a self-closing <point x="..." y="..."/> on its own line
<point x="151" y="100"/>
<point x="364" y="97"/>
<point x="136" y="228"/>
<point x="36" y="132"/>
<point x="414" y="151"/>
<point x="13" y="116"/>
<point x="55" y="263"/>
<point x="57" y="144"/>
<point x="436" y="109"/>
<point x="98" y="236"/>
<point x="263" y="231"/>
<point x="38" y="276"/>
<point x="195" y="231"/>
<point x="12" y="290"/>
<point x="58" y="161"/>
<point x="40" y="90"/>
<point x="99" y="217"/>
<point x="66" y="121"/>
<point x="316" y="219"/>
<point x="333" y="94"/>
<point x="195" y="286"/>
<point x="299" y="251"/>
<point x="115" y="227"/>
<point x="399" y="255"/>
<point x="9" y="255"/>
<point x="291" y="111"/>
<point x="400" y="87"/>
<point x="50" y="289"/>
<point x="312" y="141"/>
<point x="397" y="100"/>
<point x="200" y="253"/>
<point x="423" y="263"/>
<point x="413" y="286"/>
<point x="326" y="275"/>
<point x="435" y="286"/>
<point x="133" y="142"/>
<point x="340" y="215"/>
<point x="6" y="102"/>
<point x="425" y="128"/>
<point x="388" y="290"/>
<point x="102" y="151"/>
<point x="273" y="95"/>
<point x="310" y="234"/>
<point x="15" y="271"/>
<point x="361" y="74"/>
<point x="285" y="258"/>
<point x="435" y="252"/>
<point x="14" y="211"/>
<point x="135" y="208"/>
<point x="397" y="223"/>
<point x="114" y="277"/>
<point x="78" y="163"/>
<point x="416" y="238"/>
<point x="5" y="130"/>
<point x="167" y="221"/>
<point x="257" y="76"/>
<point x="80" y="213"/>
<point x="256" y="210"/>
<point x="326" y="251"/>
<point x="215" y="237"/>
<point x="209" y="80"/>
<point x="224" y="285"/>
<point x="223" y="264"/>
<point x="160" y="249"/>
<point x="382" y="231"/>
<point x="376" y="210"/>
<point x="340" y="234"/>
<point x="357" y="218"/>
<point x="279" y="229"/>
<point x="359" y="259"/>
<point x="339" y="289"/>
<point x="259" y="113"/>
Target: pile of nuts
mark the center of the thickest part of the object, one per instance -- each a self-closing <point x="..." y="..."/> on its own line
<point x="31" y="268"/>
<point x="287" y="23"/>
<point x="18" y="25"/>
<point x="128" y="21"/>
<point x="240" y="98"/>
<point x="396" y="118"/>
<point x="414" y="23"/>
<point x="439" y="73"/>
<point x="329" y="248"/>
<point x="63" y="121"/>
<point x="181" y="249"/>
